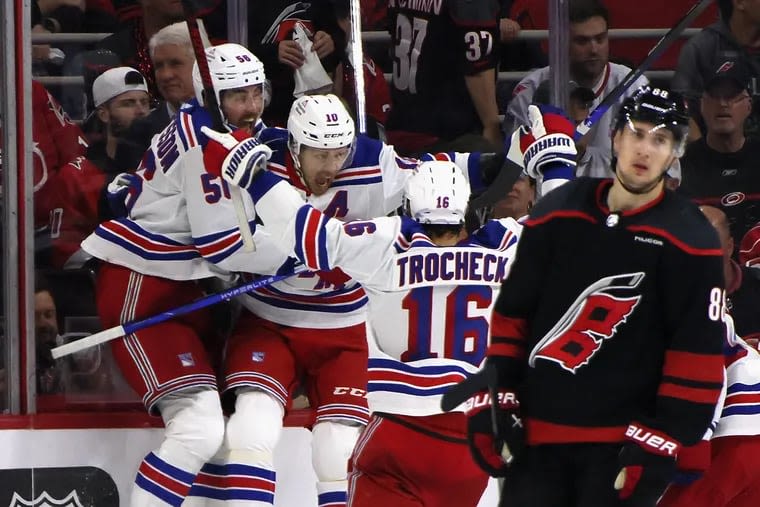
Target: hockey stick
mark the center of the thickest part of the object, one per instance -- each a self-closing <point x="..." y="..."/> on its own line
<point x="357" y="54"/>
<point x="654" y="53"/>
<point x="466" y="389"/>
<point x="212" y="106"/>
<point x="500" y="186"/>
<point x="511" y="171"/>
<point x="135" y="325"/>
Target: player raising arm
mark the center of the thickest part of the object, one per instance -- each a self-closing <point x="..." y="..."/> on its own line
<point x="430" y="290"/>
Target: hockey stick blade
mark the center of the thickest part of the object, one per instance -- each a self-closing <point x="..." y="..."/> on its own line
<point x="464" y="390"/>
<point x="136" y="325"/>
<point x="500" y="186"/>
<point x="654" y="53"/>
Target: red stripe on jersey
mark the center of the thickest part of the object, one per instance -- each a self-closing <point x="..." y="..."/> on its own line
<point x="690" y="366"/>
<point x="364" y="172"/>
<point x="542" y="432"/>
<point x="309" y="239"/>
<point x="245" y="482"/>
<point x="418" y="380"/>
<point x="508" y="327"/>
<point x="743" y="399"/>
<point x="560" y="214"/>
<point x="350" y="297"/>
<point x="188" y="129"/>
<point x="141" y="241"/>
<point x="693" y="394"/>
<point x="506" y="349"/>
<point x="675" y="241"/>
<point x="218" y="246"/>
<point x="442" y="156"/>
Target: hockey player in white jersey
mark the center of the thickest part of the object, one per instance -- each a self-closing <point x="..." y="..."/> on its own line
<point x="430" y="291"/>
<point x="309" y="330"/>
<point x="150" y="262"/>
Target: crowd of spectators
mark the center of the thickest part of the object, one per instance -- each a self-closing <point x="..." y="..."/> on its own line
<point x="441" y="95"/>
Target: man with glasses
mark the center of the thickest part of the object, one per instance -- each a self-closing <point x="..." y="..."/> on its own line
<point x="720" y="168"/>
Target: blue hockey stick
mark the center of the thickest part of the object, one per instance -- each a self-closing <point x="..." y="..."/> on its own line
<point x="130" y="327"/>
<point x="617" y="92"/>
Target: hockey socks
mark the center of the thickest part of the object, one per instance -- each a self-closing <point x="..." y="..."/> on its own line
<point x="159" y="484"/>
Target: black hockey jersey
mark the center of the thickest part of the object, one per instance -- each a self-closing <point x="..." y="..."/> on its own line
<point x="435" y="44"/>
<point x="728" y="181"/>
<point x="607" y="319"/>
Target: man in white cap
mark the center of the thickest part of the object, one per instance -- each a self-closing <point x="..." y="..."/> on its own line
<point x="120" y="96"/>
<point x="77" y="199"/>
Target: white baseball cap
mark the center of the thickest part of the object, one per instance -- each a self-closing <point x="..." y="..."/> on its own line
<point x="116" y="81"/>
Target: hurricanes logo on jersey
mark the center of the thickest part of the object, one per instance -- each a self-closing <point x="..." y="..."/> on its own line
<point x="592" y="318"/>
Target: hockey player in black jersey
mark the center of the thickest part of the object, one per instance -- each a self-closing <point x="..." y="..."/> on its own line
<point x="607" y="331"/>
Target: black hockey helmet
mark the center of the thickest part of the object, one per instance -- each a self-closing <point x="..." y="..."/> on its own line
<point x="660" y="107"/>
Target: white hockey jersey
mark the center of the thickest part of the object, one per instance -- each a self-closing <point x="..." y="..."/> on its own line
<point x="181" y="223"/>
<point x="429" y="306"/>
<point x="597" y="158"/>
<point x="741" y="410"/>
<point x="371" y="185"/>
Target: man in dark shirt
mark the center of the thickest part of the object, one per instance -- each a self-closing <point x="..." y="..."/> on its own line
<point x="720" y="169"/>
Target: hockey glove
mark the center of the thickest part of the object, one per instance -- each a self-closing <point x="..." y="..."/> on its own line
<point x="547" y="141"/>
<point x="236" y="157"/>
<point x="121" y="194"/>
<point x="647" y="465"/>
<point x="495" y="434"/>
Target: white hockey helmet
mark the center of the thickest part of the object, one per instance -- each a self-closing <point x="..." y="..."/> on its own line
<point x="319" y="121"/>
<point x="231" y="66"/>
<point x="437" y="193"/>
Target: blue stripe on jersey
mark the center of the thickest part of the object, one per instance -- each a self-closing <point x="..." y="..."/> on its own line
<point x="741" y="410"/>
<point x="262" y="184"/>
<point x="158" y="491"/>
<point x="425" y="370"/>
<point x="145" y="254"/>
<point x="740" y="388"/>
<point x="367" y="152"/>
<point x="250" y="471"/>
<point x="392" y="387"/>
<point x="175" y="473"/>
<point x="288" y="305"/>
<point x="158" y="238"/>
<point x="491" y="235"/>
<point x="305" y="233"/>
<point x="474" y="172"/>
<point x="181" y="131"/>
<point x="322" y="294"/>
<point x="359" y="181"/>
<point x="332" y="497"/>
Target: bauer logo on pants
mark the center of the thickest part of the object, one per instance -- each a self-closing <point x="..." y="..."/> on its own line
<point x="57" y="487"/>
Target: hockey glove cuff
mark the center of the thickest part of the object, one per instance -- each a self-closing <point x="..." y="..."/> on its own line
<point x="647" y="465"/>
<point x="495" y="433"/>
<point x="236" y="157"/>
